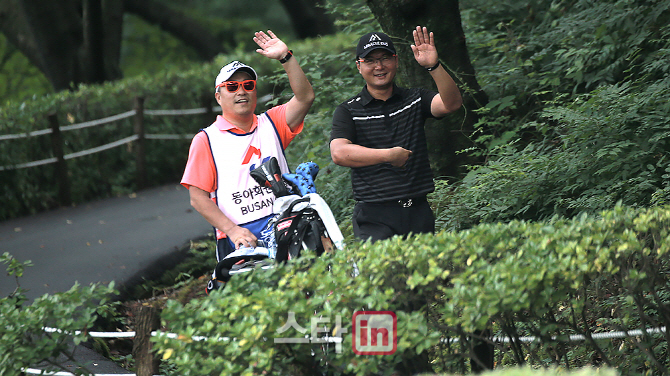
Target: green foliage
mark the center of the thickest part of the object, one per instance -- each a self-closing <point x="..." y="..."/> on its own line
<point x="264" y="15"/>
<point x="146" y="49"/>
<point x="546" y="279"/>
<point x="577" y="117"/>
<point x="15" y="268"/>
<point x="527" y="48"/>
<point x="539" y="52"/>
<point x="99" y="175"/>
<point x="23" y="340"/>
<point x="19" y="78"/>
<point x="352" y="17"/>
<point x="606" y="147"/>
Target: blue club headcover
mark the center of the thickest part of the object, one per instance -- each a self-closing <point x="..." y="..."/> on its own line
<point x="308" y="168"/>
<point x="303" y="184"/>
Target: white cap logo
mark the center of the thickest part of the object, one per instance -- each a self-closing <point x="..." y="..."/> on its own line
<point x="374" y="37"/>
<point x="230" y="69"/>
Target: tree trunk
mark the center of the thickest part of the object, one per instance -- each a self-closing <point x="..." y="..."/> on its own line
<point x="79" y="41"/>
<point x="48" y="33"/>
<point x="112" y="12"/>
<point x="100" y="53"/>
<point x="93" y="52"/>
<point x="308" y="19"/>
<point x="146" y="319"/>
<point x="398" y="18"/>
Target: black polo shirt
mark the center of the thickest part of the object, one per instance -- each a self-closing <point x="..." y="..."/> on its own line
<point x="398" y="121"/>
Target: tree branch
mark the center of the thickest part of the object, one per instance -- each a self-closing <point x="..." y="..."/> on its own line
<point x="308" y="19"/>
<point x="188" y="30"/>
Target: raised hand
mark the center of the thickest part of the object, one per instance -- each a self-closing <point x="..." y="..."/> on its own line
<point x="423" y="48"/>
<point x="270" y="46"/>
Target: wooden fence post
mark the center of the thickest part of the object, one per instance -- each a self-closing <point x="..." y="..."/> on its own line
<point x="64" y="197"/>
<point x="210" y="117"/>
<point x="146" y="318"/>
<point x="140" y="156"/>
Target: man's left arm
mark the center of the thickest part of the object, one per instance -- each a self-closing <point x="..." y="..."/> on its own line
<point x="303" y="94"/>
<point x="449" y="97"/>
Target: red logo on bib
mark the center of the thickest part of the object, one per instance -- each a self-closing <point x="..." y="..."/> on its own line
<point x="250" y="153"/>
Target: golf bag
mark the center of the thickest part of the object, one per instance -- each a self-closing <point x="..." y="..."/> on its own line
<point x="305" y="223"/>
<point x="302" y="221"/>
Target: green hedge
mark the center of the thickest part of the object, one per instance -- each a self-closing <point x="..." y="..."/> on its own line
<point x="528" y="371"/>
<point x="588" y="275"/>
<point x="548" y="279"/>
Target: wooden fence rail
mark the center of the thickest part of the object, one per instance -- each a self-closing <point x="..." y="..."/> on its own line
<point x="139" y="137"/>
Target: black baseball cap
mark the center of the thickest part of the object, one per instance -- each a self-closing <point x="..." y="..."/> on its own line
<point x="373" y="41"/>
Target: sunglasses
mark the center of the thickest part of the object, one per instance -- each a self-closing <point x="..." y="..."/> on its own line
<point x="233" y="86"/>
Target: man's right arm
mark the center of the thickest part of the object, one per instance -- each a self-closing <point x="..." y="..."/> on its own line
<point x="199" y="178"/>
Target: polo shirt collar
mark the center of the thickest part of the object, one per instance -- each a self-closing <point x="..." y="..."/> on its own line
<point x="224" y="125"/>
<point x="366" y="98"/>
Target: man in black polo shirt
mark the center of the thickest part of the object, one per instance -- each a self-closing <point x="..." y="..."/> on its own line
<point x="379" y="133"/>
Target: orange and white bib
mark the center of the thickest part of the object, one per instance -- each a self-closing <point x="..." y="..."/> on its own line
<point x="237" y="194"/>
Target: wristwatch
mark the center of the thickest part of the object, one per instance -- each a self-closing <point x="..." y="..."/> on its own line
<point x="287" y="57"/>
<point x="433" y="67"/>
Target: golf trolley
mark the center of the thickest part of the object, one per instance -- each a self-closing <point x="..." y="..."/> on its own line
<point x="302" y="221"/>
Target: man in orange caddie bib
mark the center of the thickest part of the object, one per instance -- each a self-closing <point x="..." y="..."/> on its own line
<point x="222" y="155"/>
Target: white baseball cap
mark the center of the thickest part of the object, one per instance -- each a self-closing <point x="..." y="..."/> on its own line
<point x="230" y="69"/>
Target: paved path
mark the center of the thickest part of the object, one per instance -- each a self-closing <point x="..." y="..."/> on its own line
<point x="121" y="239"/>
<point x="124" y="239"/>
<point x="94" y="362"/>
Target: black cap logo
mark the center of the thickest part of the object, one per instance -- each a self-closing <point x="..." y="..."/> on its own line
<point x="372" y="41"/>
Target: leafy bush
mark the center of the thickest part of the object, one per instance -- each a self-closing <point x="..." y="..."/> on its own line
<point x="547" y="279"/>
<point x="23" y="341"/>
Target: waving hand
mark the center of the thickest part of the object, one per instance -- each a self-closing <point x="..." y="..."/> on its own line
<point x="423" y="48"/>
<point x="270" y="46"/>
